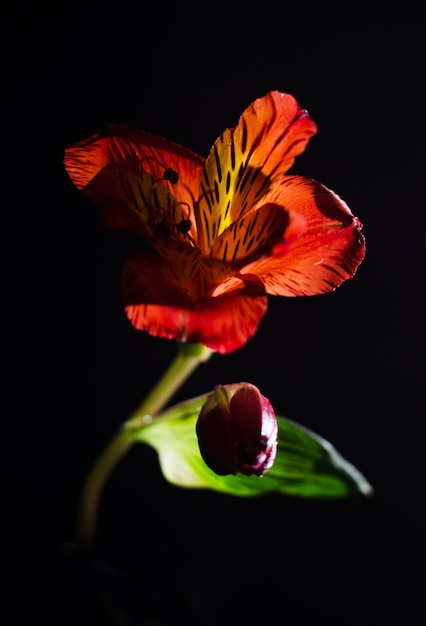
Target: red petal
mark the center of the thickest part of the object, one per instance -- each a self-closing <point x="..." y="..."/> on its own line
<point x="116" y="168"/>
<point x="227" y="322"/>
<point x="327" y="252"/>
<point x="151" y="278"/>
<point x="252" y="235"/>
<point x="243" y="161"/>
<point x="161" y="300"/>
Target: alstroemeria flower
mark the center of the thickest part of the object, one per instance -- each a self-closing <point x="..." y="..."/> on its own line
<point x="226" y="231"/>
<point x="237" y="430"/>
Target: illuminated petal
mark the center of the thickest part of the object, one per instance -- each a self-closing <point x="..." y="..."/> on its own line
<point x="157" y="296"/>
<point x="252" y="235"/>
<point x="118" y="169"/>
<point x="160" y="299"/>
<point x="325" y="254"/>
<point x="227" y="322"/>
<point x="244" y="160"/>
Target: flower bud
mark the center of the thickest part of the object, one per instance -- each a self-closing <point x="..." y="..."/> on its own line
<point x="237" y="430"/>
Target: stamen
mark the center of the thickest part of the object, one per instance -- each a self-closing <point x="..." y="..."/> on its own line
<point x="163" y="219"/>
<point x="172" y="177"/>
<point x="185" y="224"/>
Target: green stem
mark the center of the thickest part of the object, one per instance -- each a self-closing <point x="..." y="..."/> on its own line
<point x="188" y="358"/>
<point x="186" y="361"/>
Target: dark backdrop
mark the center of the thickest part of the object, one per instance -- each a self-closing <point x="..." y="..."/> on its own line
<point x="349" y="365"/>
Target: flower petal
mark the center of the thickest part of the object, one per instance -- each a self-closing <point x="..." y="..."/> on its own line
<point x="117" y="169"/>
<point x="160" y="299"/>
<point x="325" y="254"/>
<point x="252" y="235"/>
<point x="227" y="322"/>
<point x="244" y="160"/>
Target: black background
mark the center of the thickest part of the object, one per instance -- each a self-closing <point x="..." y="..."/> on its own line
<point x="349" y="365"/>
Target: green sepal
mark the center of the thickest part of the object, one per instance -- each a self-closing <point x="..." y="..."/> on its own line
<point x="306" y="464"/>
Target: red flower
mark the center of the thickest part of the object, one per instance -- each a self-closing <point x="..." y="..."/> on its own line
<point x="225" y="231"/>
<point x="237" y="430"/>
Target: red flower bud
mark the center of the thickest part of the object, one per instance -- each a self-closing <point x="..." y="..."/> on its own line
<point x="237" y="430"/>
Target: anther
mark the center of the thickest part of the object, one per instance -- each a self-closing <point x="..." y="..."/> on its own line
<point x="184" y="227"/>
<point x="171" y="175"/>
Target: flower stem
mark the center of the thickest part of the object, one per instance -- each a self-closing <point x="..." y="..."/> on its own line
<point x="186" y="361"/>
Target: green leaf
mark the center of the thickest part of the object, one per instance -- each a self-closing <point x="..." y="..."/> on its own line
<point x="306" y="464"/>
